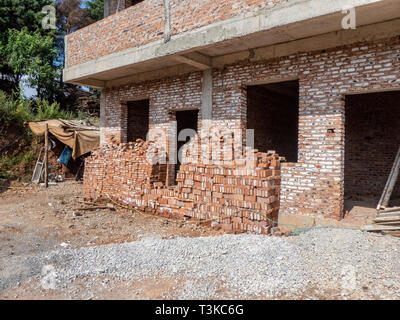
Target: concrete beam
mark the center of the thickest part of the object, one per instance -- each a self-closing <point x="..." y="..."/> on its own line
<point x="326" y="41"/>
<point x="371" y="32"/>
<point x="152" y="75"/>
<point x="195" y="59"/>
<point x="93" y="83"/>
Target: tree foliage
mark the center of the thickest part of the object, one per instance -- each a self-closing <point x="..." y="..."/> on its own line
<point x="71" y="15"/>
<point x="95" y="9"/>
<point x="26" y="49"/>
<point x="32" y="54"/>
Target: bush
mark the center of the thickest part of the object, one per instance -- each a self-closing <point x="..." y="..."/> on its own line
<point x="14" y="110"/>
<point x="45" y="110"/>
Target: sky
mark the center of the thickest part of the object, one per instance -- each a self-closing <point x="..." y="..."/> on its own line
<point x="27" y="90"/>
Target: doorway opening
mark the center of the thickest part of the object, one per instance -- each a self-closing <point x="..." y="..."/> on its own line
<point x="187" y="119"/>
<point x="372" y="139"/>
<point x="138" y="120"/>
<point x="273" y="114"/>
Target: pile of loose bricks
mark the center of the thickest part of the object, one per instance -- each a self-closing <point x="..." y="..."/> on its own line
<point x="232" y="196"/>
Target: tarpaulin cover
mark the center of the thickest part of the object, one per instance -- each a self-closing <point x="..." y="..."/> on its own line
<point x="81" y="137"/>
<point x="65" y="156"/>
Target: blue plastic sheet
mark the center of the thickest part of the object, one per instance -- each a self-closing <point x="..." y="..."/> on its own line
<point x="65" y="156"/>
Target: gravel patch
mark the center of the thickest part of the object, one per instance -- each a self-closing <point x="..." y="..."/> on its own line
<point x="319" y="263"/>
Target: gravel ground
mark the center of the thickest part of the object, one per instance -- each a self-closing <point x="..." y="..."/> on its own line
<point x="321" y="263"/>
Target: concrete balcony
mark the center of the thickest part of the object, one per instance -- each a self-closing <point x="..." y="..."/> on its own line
<point x="138" y="43"/>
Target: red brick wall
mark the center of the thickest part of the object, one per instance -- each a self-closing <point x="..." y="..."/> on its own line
<point x="144" y="23"/>
<point x="372" y="142"/>
<point x="165" y="95"/>
<point x="314" y="185"/>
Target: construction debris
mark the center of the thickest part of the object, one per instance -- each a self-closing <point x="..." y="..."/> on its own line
<point x="387" y="222"/>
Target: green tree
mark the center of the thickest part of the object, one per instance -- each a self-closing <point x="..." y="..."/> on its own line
<point x="18" y="15"/>
<point x="32" y="54"/>
<point x="95" y="9"/>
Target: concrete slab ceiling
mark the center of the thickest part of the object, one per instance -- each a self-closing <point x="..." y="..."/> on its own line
<point x="298" y="25"/>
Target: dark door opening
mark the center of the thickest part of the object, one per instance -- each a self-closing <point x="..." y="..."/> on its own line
<point x="372" y="139"/>
<point x="138" y="120"/>
<point x="185" y="120"/>
<point x="273" y="114"/>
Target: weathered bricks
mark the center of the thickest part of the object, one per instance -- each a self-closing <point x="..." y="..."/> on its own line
<point x="203" y="191"/>
<point x="144" y="23"/>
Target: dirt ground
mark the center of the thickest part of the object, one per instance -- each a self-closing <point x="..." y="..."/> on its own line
<point x="34" y="220"/>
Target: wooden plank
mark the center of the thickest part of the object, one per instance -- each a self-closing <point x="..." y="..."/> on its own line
<point x="387" y="219"/>
<point x="380" y="228"/>
<point x="392" y="233"/>
<point x="389" y="223"/>
<point x="389" y="210"/>
<point x="389" y="214"/>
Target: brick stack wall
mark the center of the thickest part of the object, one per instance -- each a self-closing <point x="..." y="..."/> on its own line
<point x="232" y="196"/>
<point x="144" y="23"/>
<point x="118" y="170"/>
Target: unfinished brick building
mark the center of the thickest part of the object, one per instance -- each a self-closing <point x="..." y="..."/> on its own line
<point x="323" y="95"/>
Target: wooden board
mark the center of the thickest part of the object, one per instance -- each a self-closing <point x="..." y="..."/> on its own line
<point x="389" y="214"/>
<point x="388" y="223"/>
<point x="387" y="219"/>
<point x="380" y="228"/>
<point x="392" y="233"/>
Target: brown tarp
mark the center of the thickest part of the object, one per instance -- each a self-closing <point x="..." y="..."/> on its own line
<point x="79" y="136"/>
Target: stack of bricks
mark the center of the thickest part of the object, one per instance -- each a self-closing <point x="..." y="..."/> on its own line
<point x="120" y="171"/>
<point x="233" y="196"/>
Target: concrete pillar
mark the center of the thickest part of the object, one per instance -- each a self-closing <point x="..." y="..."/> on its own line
<point x="102" y="118"/>
<point x="106" y="8"/>
<point x="65" y="52"/>
<point x="206" y="95"/>
<point x="167" y="25"/>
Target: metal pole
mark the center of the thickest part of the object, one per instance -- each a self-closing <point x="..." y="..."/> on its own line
<point x="46" y="156"/>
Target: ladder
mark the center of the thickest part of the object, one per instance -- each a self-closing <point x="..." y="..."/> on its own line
<point x="387" y="192"/>
<point x="38" y="172"/>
